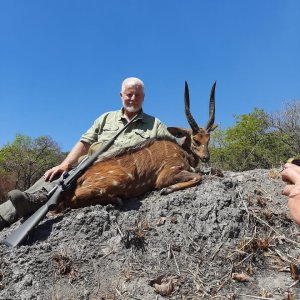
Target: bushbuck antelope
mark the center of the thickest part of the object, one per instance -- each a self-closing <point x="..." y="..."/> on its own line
<point x="158" y="164"/>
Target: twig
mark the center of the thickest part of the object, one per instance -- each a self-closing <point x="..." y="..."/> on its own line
<point x="121" y="233"/>
<point x="245" y="205"/>
<point x="169" y="251"/>
<point x="282" y="257"/>
<point x="198" y="280"/>
<point x="241" y="251"/>
<point x="198" y="247"/>
<point x="175" y="262"/>
<point x="244" y="259"/>
<point x="228" y="275"/>
<point x="118" y="292"/>
<point x="216" y="252"/>
<point x="256" y="297"/>
<point x="109" y="253"/>
<point x="97" y="288"/>
<point x="293" y="284"/>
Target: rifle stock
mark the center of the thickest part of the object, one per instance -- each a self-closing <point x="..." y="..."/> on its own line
<point x="16" y="237"/>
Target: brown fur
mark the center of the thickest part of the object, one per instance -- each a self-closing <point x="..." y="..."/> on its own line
<point x="154" y="165"/>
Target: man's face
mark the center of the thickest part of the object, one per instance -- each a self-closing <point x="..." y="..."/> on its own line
<point x="132" y="98"/>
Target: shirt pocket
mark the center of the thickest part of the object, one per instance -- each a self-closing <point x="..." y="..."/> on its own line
<point x="108" y="132"/>
<point x="141" y="134"/>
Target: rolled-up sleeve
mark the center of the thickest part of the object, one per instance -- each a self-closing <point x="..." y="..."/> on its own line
<point x="91" y="135"/>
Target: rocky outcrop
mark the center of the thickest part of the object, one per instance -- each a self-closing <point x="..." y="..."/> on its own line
<point x="231" y="237"/>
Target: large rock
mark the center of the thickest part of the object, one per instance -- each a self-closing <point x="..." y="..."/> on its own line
<point x="186" y="245"/>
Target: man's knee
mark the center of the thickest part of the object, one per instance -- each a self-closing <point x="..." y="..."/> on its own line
<point x="27" y="203"/>
<point x="8" y="214"/>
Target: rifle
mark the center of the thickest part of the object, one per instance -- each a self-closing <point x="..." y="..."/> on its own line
<point x="16" y="237"/>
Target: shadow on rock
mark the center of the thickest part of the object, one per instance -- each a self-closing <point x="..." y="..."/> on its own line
<point x="42" y="231"/>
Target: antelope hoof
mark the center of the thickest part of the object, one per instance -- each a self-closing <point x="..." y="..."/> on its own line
<point x="119" y="202"/>
<point x="165" y="191"/>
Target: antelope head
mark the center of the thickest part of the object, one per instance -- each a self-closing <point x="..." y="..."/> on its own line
<point x="196" y="139"/>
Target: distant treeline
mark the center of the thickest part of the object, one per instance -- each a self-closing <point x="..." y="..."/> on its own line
<point x="258" y="140"/>
<point x="25" y="160"/>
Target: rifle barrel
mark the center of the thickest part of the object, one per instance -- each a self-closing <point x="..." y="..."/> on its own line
<point x="17" y="236"/>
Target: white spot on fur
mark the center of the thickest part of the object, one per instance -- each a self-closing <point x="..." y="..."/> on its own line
<point x="130" y="175"/>
<point x="101" y="191"/>
<point x="115" y="183"/>
<point x="150" y="154"/>
<point x="175" y="155"/>
<point x="110" y="172"/>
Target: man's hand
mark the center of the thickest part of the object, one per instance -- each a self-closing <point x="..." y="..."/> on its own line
<point x="291" y="175"/>
<point x="55" y="172"/>
<point x="81" y="148"/>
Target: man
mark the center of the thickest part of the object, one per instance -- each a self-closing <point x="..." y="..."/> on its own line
<point x="291" y="175"/>
<point x="132" y="94"/>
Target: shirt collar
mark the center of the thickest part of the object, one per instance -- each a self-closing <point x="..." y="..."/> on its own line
<point x="140" y="117"/>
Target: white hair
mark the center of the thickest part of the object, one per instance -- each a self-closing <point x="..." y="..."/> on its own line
<point x="132" y="81"/>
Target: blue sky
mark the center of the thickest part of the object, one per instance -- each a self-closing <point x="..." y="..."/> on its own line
<point x="62" y="62"/>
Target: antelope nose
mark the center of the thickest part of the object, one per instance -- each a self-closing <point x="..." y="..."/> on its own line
<point x="205" y="159"/>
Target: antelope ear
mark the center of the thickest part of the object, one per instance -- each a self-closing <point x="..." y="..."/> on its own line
<point x="213" y="127"/>
<point x="179" y="132"/>
<point x="181" y="141"/>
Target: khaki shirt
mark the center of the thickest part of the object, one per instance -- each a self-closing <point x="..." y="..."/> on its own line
<point x="107" y="125"/>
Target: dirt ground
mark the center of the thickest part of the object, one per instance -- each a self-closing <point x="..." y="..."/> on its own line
<point x="231" y="237"/>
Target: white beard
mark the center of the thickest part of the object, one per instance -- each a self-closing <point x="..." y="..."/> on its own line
<point x="131" y="108"/>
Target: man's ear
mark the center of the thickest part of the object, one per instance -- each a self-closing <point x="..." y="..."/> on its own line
<point x="179" y="132"/>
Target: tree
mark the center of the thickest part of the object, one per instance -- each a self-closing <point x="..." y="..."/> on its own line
<point x="7" y="183"/>
<point x="29" y="158"/>
<point x="287" y="122"/>
<point x="250" y="144"/>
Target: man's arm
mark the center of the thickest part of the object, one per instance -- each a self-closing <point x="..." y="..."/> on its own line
<point x="291" y="175"/>
<point x="81" y="148"/>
